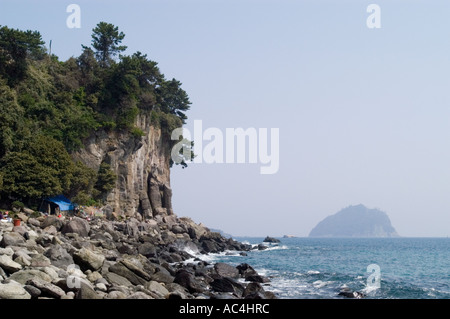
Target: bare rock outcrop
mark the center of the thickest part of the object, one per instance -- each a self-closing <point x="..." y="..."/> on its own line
<point x="142" y="166"/>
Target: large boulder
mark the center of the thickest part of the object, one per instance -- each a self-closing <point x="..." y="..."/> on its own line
<point x="87" y="259"/>
<point x="52" y="220"/>
<point x="13" y="291"/>
<point x="78" y="226"/>
<point x="226" y="270"/>
<point x="86" y="292"/>
<point x="24" y="275"/>
<point x="117" y="280"/>
<point x="189" y="281"/>
<point x="46" y="288"/>
<point x="131" y="272"/>
<point x="59" y="256"/>
<point x="147" y="249"/>
<point x="12" y="239"/>
<point x="8" y="264"/>
<point x="158" y="289"/>
<point x="227" y="284"/>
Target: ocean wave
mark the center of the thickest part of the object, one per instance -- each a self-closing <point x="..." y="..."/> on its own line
<point x="269" y="248"/>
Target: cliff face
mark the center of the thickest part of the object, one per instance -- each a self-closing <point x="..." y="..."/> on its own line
<point x="141" y="165"/>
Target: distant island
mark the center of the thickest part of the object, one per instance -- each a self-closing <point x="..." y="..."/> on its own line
<point x="355" y="221"/>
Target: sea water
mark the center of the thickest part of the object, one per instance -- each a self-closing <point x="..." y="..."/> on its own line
<point x="408" y="268"/>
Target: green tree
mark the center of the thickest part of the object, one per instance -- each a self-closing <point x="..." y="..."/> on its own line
<point x="15" y="48"/>
<point x="106" y="179"/>
<point x="11" y="118"/>
<point x="106" y="40"/>
<point x="173" y="99"/>
<point x="82" y="183"/>
<point x="42" y="168"/>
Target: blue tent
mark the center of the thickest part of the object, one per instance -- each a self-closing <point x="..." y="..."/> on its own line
<point x="63" y="202"/>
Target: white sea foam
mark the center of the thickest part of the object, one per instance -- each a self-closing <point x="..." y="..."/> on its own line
<point x="269" y="248"/>
<point x="369" y="289"/>
<point x="320" y="284"/>
<point x="312" y="272"/>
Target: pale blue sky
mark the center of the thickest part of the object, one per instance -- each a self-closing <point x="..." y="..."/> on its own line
<point x="363" y="113"/>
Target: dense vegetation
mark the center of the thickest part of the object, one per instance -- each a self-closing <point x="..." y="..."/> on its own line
<point x="48" y="107"/>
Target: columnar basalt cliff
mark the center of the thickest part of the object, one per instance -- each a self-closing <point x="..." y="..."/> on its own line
<point x="142" y="166"/>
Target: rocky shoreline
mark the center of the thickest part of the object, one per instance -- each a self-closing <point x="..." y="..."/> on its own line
<point x="73" y="258"/>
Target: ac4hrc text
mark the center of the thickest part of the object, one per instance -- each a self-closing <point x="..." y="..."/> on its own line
<point x="226" y="309"/>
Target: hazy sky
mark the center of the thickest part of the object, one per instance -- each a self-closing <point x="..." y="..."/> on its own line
<point x="363" y="114"/>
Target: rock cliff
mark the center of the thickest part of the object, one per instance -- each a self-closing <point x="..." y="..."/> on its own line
<point x="142" y="166"/>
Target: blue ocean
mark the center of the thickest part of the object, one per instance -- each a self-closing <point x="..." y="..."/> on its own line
<point x="380" y="268"/>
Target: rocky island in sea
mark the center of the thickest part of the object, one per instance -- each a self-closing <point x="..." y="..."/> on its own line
<point x="97" y="129"/>
<point x="355" y="221"/>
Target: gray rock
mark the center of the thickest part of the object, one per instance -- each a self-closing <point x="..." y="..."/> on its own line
<point x="7" y="251"/>
<point x="25" y="262"/>
<point x="116" y="295"/>
<point x="135" y="275"/>
<point x="46" y="288"/>
<point x="348" y="293"/>
<point x="158" y="273"/>
<point x="177" y="291"/>
<point x="78" y="226"/>
<point x="271" y="240"/>
<point x="189" y="281"/>
<point x="162" y="276"/>
<point x="8" y="264"/>
<point x="226" y="270"/>
<point x="147" y="249"/>
<point x="94" y="276"/>
<point x="86" y="292"/>
<point x="101" y="286"/>
<point x="252" y="289"/>
<point x="157" y="289"/>
<point x="34" y="222"/>
<point x="210" y="246"/>
<point x="40" y="261"/>
<point x="125" y="248"/>
<point x="59" y="256"/>
<point x="13" y="291"/>
<point x="257" y="278"/>
<point x="87" y="259"/>
<point x="117" y="280"/>
<point x="139" y="295"/>
<point x="52" y="220"/>
<point x="51" y="230"/>
<point x="22" y="230"/>
<point x="45" y="240"/>
<point x="227" y="284"/>
<point x="24" y="275"/>
<point x="32" y="290"/>
<point x="245" y="270"/>
<point x="12" y="239"/>
<point x="178" y="229"/>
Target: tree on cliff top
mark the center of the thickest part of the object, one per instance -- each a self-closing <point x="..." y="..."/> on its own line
<point x="106" y="40"/>
<point x="16" y="47"/>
